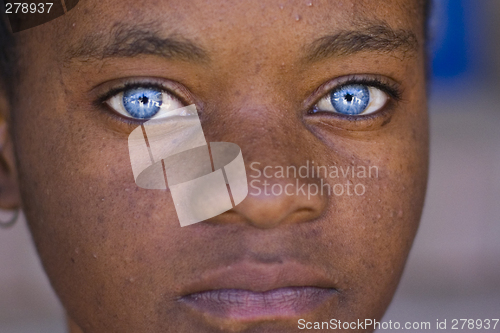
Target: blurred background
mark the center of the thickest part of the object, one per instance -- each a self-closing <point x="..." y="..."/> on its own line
<point x="454" y="268"/>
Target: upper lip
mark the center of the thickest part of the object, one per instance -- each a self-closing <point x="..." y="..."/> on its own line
<point x="259" y="277"/>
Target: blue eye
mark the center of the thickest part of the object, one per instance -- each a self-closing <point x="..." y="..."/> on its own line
<point x="142" y="103"/>
<point x="353" y="100"/>
<point x="145" y="103"/>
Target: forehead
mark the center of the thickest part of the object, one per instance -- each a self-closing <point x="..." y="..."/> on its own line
<point x="229" y="27"/>
<point x="233" y="14"/>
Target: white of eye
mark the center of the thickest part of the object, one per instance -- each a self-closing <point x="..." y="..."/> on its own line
<point x="170" y="106"/>
<point x="378" y="99"/>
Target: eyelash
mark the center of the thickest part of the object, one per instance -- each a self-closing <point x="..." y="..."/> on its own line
<point x="100" y="101"/>
<point x="129" y="85"/>
<point x="392" y="89"/>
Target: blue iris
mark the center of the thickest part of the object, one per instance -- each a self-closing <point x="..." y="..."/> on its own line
<point x="142" y="103"/>
<point x="351" y="99"/>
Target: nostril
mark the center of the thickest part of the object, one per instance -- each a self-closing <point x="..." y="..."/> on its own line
<point x="267" y="210"/>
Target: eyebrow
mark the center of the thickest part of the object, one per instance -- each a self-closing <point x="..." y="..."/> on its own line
<point x="376" y="37"/>
<point x="125" y="41"/>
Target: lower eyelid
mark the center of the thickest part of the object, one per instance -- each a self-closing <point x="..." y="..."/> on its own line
<point x="348" y="124"/>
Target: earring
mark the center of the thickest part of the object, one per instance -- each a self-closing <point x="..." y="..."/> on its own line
<point x="10" y="222"/>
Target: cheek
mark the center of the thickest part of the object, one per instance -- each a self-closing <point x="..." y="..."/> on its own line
<point x="370" y="235"/>
<point x="95" y="230"/>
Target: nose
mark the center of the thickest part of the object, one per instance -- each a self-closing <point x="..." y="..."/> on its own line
<point x="279" y="153"/>
<point x="270" y="204"/>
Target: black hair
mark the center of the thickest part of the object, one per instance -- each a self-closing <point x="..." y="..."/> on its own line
<point x="7" y="49"/>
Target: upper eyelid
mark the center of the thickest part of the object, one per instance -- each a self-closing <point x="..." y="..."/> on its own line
<point x="391" y="91"/>
<point x="107" y="90"/>
<point x="115" y="91"/>
<point x="102" y="101"/>
<point x="390" y="86"/>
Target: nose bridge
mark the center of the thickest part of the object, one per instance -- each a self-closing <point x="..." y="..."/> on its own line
<point x="278" y="152"/>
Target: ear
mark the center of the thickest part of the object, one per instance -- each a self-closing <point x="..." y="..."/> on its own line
<point x="10" y="197"/>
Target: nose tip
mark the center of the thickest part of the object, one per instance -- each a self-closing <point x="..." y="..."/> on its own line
<point x="280" y="203"/>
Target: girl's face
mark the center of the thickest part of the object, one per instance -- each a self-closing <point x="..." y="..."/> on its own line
<point x="268" y="76"/>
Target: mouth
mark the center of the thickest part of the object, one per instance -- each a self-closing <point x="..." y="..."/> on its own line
<point x="250" y="292"/>
<point x="249" y="305"/>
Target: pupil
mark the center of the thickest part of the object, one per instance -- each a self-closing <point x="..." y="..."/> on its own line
<point x="351" y="99"/>
<point x="142" y="103"/>
<point x="143" y="100"/>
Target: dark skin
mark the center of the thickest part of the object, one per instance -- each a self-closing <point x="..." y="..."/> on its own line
<point x="115" y="253"/>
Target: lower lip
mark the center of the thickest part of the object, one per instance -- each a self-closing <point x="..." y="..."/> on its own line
<point x="247" y="305"/>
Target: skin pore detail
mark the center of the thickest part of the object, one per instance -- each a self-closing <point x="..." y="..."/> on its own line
<point x="258" y="73"/>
